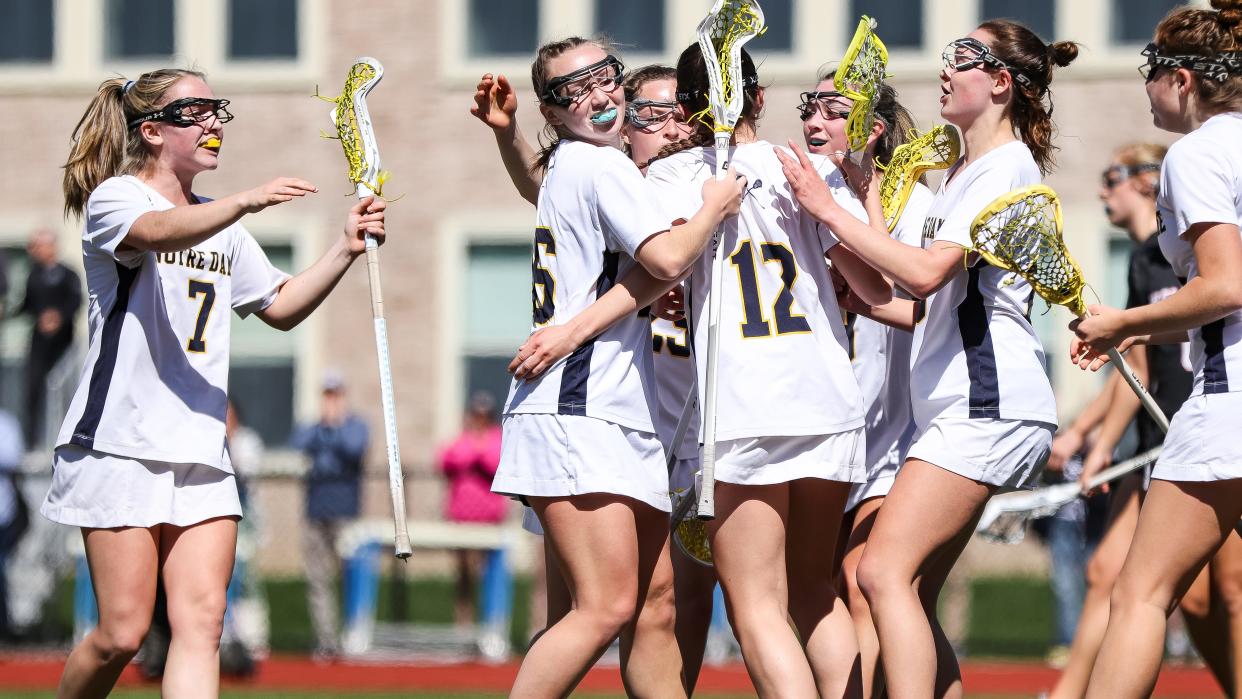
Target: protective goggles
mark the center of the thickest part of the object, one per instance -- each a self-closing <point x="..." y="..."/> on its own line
<point x="1218" y="67"/>
<point x="565" y="90"/>
<point x="826" y="103"/>
<point x="650" y="114"/>
<point x="187" y="111"/>
<point x="967" y="53"/>
<point x="1117" y="174"/>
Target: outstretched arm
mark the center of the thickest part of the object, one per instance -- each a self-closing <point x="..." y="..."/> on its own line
<point x="495" y="104"/>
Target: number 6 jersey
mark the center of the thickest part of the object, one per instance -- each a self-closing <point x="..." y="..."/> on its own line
<point x="156" y="376"/>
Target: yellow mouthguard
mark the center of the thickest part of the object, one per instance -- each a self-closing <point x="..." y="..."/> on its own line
<point x="212" y="142"/>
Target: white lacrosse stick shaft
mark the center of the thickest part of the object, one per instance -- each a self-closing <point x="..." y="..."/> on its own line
<point x="366" y="188"/>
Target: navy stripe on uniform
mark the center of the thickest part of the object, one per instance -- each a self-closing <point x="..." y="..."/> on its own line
<point x="101" y="374"/>
<point x="577" y="371"/>
<point x="1215" y="376"/>
<point x="972" y="323"/>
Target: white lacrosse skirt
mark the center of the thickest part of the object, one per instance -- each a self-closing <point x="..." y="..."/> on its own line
<point x="1202" y="443"/>
<point x="102" y="491"/>
<point x="1008" y="454"/>
<point x="545" y="455"/>
<point x="879" y="483"/>
<point x="771" y="460"/>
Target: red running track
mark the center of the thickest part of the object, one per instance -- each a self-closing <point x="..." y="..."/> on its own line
<point x="299" y="673"/>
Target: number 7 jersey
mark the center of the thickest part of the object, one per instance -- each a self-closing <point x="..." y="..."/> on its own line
<point x="784" y="369"/>
<point x="156" y="376"/>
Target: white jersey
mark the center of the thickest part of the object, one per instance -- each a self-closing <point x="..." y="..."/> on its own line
<point x="881" y="357"/>
<point x="1201" y="182"/>
<point x="594" y="211"/>
<point x="783" y="370"/>
<point x="157" y="370"/>
<point x="975" y="352"/>
<point x="674" y="372"/>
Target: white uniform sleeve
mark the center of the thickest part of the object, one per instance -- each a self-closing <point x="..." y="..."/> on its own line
<point x="628" y="208"/>
<point x="255" y="281"/>
<point x="679" y="197"/>
<point x="110" y="212"/>
<point x="981" y="190"/>
<point x="1197" y="182"/>
<point x="909" y="228"/>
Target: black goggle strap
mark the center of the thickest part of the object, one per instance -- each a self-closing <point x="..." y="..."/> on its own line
<point x="1218" y="67"/>
<point x="1125" y="172"/>
<point x="631" y="112"/>
<point x="685" y="97"/>
<point x="985" y="56"/>
<point x="549" y="95"/>
<point x="172" y="113"/>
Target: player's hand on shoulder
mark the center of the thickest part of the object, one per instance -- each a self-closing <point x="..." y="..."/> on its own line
<point x="278" y="191"/>
<point x="365" y="218"/>
<point x="725" y="195"/>
<point x="495" y="102"/>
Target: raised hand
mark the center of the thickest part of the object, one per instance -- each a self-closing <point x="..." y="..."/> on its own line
<point x="278" y="191"/>
<point x="495" y="102"/>
<point x="805" y="182"/>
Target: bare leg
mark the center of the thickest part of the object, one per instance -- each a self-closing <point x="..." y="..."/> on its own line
<point x="693" y="584"/>
<point x="860" y="612"/>
<point x="748" y="545"/>
<point x="818" y="612"/>
<point x="925" y="515"/>
<point x="1226" y="582"/>
<point x="1158" y="569"/>
<point x="197" y="565"/>
<point x="124" y="564"/>
<point x="651" y="664"/>
<point x="1102" y="571"/>
<point x="596" y="540"/>
<point x="1207" y="624"/>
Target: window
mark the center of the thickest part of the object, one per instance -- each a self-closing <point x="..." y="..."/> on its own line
<point x="636" y="25"/>
<point x="778" y="16"/>
<point x="15" y="330"/>
<point x="1134" y="21"/>
<point x="26" y="31"/>
<point x="496" y="290"/>
<point x="1039" y="17"/>
<point x="139" y="28"/>
<point x="900" y="21"/>
<point x="262" y="369"/>
<point x="263" y="30"/>
<point x="502" y="27"/>
<point x="1119" y="249"/>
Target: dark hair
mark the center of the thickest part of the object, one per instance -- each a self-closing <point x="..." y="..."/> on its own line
<point x="103" y="144"/>
<point x="1030" y="109"/>
<point x="694" y="95"/>
<point x="637" y="79"/>
<point x="551" y="136"/>
<point x="1190" y="31"/>
<point x="898" y="121"/>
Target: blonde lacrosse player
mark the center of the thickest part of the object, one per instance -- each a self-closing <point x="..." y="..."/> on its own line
<point x="1194" y="84"/>
<point x="579" y="441"/>
<point x="140" y="463"/>
<point x="879" y="351"/>
<point x="653" y="120"/>
<point x="790" y="417"/>
<point x="982" y="403"/>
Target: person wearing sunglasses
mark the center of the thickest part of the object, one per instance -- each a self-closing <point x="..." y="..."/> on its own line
<point x="141" y="464"/>
<point x="982" y="403"/>
<point x="1194" y="84"/>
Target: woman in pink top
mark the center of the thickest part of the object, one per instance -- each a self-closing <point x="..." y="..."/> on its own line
<point x="469" y="463"/>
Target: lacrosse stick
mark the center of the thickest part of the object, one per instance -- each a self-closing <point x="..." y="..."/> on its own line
<point x="353" y="128"/>
<point x="1020" y="232"/>
<point x="729" y="25"/>
<point x="935" y="150"/>
<point x="859" y="77"/>
<point x="1005" y="516"/>
<point x="689" y="533"/>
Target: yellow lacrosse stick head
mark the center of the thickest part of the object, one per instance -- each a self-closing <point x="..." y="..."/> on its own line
<point x="722" y="33"/>
<point x="935" y="150"/>
<point x="690" y="534"/>
<point x="352" y="120"/>
<point x="858" y="77"/>
<point x="1020" y="232"/>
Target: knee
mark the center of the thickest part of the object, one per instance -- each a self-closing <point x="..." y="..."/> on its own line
<point x="1101" y="572"/>
<point x="659" y="609"/>
<point x="1131" y="594"/>
<point x="201" y="617"/>
<point x="874" y="579"/>
<point x="118" y="642"/>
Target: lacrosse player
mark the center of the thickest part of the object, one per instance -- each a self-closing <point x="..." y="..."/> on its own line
<point x="1194" y="84"/>
<point x="981" y="400"/>
<point x="141" y="463"/>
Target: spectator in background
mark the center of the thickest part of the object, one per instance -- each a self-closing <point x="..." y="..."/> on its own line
<point x="469" y="463"/>
<point x="14" y="515"/>
<point x="53" y="296"/>
<point x="336" y="446"/>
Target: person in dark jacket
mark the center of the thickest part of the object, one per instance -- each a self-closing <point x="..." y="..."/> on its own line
<point x="53" y="296"/>
<point x="336" y="446"/>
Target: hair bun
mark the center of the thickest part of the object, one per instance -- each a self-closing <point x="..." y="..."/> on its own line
<point x="1062" y="53"/>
